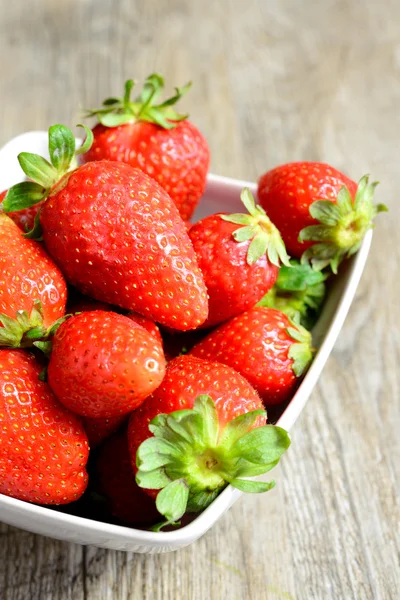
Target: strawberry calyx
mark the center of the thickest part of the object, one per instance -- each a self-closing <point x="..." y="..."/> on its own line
<point x="118" y="111"/>
<point x="27" y="330"/>
<point x="257" y="227"/>
<point x="342" y="225"/>
<point x="299" y="292"/>
<point x="301" y="351"/>
<point x="191" y="460"/>
<point x="44" y="175"/>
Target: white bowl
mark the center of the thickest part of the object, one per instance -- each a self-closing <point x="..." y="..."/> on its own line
<point x="222" y="194"/>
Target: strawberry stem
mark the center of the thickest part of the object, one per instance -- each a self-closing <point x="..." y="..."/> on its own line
<point x="190" y="459"/>
<point x="257" y="227"/>
<point x="341" y="226"/>
<point x="301" y="351"/>
<point x="299" y="292"/>
<point x="118" y="111"/>
<point x="44" y="174"/>
<point x="27" y="330"/>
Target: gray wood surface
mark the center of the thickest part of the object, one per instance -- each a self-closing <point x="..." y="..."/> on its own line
<point x="274" y="81"/>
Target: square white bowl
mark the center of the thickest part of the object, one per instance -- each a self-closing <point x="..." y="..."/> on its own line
<point x="222" y="194"/>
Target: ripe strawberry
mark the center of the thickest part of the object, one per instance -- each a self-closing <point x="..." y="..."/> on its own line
<point x="269" y="350"/>
<point x="322" y="214"/>
<point x="239" y="265"/>
<point x="209" y="430"/>
<point x="43" y="447"/>
<point x="154" y="138"/>
<point x="98" y="430"/>
<point x="32" y="288"/>
<point x="115" y="233"/>
<point x="103" y="364"/>
<point x="25" y="219"/>
<point x="116" y="481"/>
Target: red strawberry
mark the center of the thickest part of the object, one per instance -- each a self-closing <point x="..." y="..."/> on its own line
<point x="30" y="282"/>
<point x="154" y="138"/>
<point x="209" y="430"/>
<point x="98" y="430"/>
<point x="43" y="447"/>
<point x="103" y="364"/>
<point x="239" y="265"/>
<point x="116" y="235"/>
<point x="116" y="481"/>
<point x="269" y="350"/>
<point x="25" y="219"/>
<point x="321" y="214"/>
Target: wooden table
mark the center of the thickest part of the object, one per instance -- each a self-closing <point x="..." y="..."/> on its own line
<point x="273" y="82"/>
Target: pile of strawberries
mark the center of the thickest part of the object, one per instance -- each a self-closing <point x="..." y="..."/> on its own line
<point x="155" y="343"/>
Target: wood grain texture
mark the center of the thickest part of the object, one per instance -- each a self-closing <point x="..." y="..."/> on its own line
<point x="274" y="81"/>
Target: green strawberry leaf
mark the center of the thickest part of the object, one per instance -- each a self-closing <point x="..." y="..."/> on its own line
<point x="114" y="120"/>
<point x="298" y="277"/>
<point x="129" y="85"/>
<point x="61" y="149"/>
<point x="36" y="232"/>
<point x="23" y="195"/>
<point x="301" y="351"/>
<point x="262" y="445"/>
<point x="257" y="227"/>
<point x="38" y="168"/>
<point x="172" y="500"/>
<point x="87" y="144"/>
<point x="252" y="487"/>
<point x="152" y="480"/>
<point x="238" y="427"/>
<point x="155" y="453"/>
<point x="247" y="469"/>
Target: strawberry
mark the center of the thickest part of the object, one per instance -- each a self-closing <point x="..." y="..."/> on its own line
<point x="115" y="233"/>
<point x="322" y="214"/>
<point x="32" y="288"/>
<point x="262" y="344"/>
<point x="209" y="430"/>
<point x="116" y="482"/>
<point x="98" y="430"/>
<point x="25" y="219"/>
<point x="154" y="138"/>
<point x="239" y="265"/>
<point x="103" y="364"/>
<point x="43" y="447"/>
